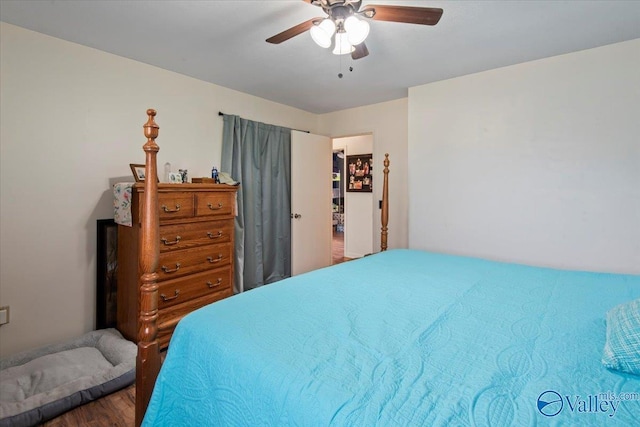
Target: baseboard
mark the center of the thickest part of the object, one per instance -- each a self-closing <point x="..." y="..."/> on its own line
<point x="353" y="255"/>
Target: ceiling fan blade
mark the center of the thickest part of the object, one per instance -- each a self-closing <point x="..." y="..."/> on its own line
<point x="360" y="51"/>
<point x="292" y="32"/>
<point x="355" y="4"/>
<point x="408" y="14"/>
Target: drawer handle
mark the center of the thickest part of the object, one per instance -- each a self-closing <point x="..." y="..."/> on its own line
<point x="168" y="270"/>
<point x="214" y="236"/>
<point x="213" y="285"/>
<point x="215" y="208"/>
<point x="214" y="260"/>
<point x="166" y="298"/>
<point x="167" y="210"/>
<point x="168" y="243"/>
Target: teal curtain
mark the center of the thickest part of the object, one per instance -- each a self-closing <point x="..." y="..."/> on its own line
<point x="259" y="156"/>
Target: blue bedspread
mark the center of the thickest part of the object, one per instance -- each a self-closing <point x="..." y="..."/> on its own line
<point x="402" y="338"/>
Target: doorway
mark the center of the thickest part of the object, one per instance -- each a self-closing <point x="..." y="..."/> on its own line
<point x="352" y="212"/>
<point x="337" y="208"/>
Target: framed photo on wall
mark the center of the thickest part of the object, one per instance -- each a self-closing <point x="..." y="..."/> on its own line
<point x="360" y="173"/>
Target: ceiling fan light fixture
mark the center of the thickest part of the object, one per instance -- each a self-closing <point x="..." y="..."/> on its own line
<point x="346" y="24"/>
<point x="322" y="33"/>
<point x="357" y="30"/>
<point x="342" y="46"/>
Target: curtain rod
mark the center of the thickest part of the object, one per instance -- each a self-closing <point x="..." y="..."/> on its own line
<point x="220" y="113"/>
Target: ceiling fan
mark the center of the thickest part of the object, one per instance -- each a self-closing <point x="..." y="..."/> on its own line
<point x="346" y="32"/>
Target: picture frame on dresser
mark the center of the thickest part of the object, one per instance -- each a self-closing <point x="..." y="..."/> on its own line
<point x="139" y="172"/>
<point x="106" y="273"/>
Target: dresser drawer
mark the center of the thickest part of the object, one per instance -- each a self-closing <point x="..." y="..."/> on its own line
<point x="187" y="261"/>
<point x="177" y="291"/>
<point x="169" y="317"/>
<point x="196" y="242"/>
<point x="184" y="236"/>
<point x="175" y="205"/>
<point x="214" y="204"/>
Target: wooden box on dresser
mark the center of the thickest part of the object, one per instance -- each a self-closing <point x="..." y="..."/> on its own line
<point x="196" y="254"/>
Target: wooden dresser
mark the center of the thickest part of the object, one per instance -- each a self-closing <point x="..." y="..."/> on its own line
<point x="196" y="254"/>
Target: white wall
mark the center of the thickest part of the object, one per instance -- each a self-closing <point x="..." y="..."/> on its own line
<point x="536" y="163"/>
<point x="387" y="122"/>
<point x="72" y="121"/>
<point x="361" y="213"/>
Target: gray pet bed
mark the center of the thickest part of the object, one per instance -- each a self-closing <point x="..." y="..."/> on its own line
<point x="40" y="384"/>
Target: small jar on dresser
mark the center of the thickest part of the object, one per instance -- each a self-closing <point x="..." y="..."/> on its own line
<point x="196" y="254"/>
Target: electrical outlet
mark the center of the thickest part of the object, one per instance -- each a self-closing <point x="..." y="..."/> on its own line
<point x="4" y="315"/>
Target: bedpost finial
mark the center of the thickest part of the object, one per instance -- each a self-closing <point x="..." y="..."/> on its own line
<point x="151" y="128"/>
<point x="386" y="160"/>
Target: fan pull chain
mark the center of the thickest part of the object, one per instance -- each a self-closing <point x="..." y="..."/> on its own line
<point x="340" y="75"/>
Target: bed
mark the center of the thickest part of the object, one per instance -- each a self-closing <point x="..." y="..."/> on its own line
<point x="399" y="338"/>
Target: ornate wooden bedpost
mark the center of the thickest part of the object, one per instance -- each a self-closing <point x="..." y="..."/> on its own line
<point x="148" y="359"/>
<point x="385" y="204"/>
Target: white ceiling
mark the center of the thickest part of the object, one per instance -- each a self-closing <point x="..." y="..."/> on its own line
<point x="223" y="42"/>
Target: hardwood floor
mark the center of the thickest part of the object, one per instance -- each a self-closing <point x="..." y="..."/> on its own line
<point x="337" y="248"/>
<point x="115" y="410"/>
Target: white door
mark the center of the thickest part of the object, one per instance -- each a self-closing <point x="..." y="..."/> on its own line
<point x="311" y="168"/>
